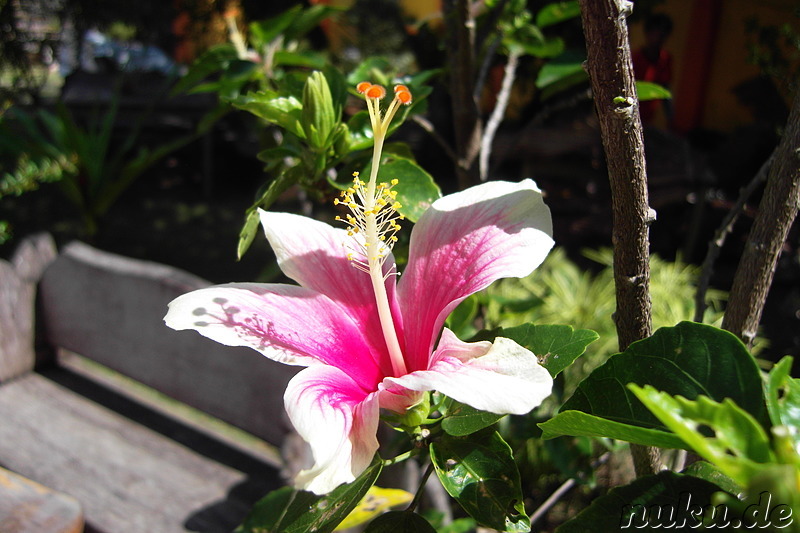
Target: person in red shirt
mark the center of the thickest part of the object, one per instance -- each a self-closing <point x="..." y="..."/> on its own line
<point x="653" y="63"/>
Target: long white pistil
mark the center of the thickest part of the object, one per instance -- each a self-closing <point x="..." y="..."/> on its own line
<point x="376" y="217"/>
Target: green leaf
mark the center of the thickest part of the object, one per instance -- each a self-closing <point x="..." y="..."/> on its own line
<point x="288" y="511"/>
<point x="463" y="419"/>
<point x="710" y="473"/>
<point x="579" y="424"/>
<point x="304" y="58"/>
<point x="248" y="232"/>
<point x="556" y="346"/>
<point x="374" y="69"/>
<point x="376" y="501"/>
<point x="263" y="32"/>
<point x="416" y="189"/>
<point x="400" y="522"/>
<point x="461" y="320"/>
<point x="284" y="111"/>
<point x="783" y="397"/>
<point x="647" y="90"/>
<point x="689" y="360"/>
<point x="213" y="60"/>
<point x="722" y="433"/>
<point x="264" y="201"/>
<point x="557" y="12"/>
<point x="480" y="473"/>
<point x="561" y="73"/>
<point x="651" y="503"/>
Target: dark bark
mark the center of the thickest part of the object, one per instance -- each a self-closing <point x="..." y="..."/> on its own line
<point x="775" y="215"/>
<point x="461" y="61"/>
<point x="614" y="88"/>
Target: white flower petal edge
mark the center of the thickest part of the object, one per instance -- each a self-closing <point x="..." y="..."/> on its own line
<point x="338" y="420"/>
<point x="503" y="378"/>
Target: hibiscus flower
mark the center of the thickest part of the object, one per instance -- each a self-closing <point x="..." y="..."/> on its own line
<point x="370" y="341"/>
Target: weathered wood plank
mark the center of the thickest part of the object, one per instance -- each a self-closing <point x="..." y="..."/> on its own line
<point x="18" y="281"/>
<point x="28" y="507"/>
<point x="126" y="476"/>
<point x="110" y="309"/>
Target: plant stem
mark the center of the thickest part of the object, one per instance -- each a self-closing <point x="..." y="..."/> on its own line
<point x="499" y="111"/>
<point x="716" y="244"/>
<point x="611" y="73"/>
<point x="461" y="58"/>
<point x="421" y="489"/>
<point x="775" y="215"/>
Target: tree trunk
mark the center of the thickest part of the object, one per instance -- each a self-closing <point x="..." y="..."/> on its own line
<point x="776" y="213"/>
<point x="614" y="88"/>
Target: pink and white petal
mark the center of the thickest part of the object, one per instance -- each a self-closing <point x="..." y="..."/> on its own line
<point x="339" y="420"/>
<point x="463" y="243"/>
<point x="314" y="254"/>
<point x="288" y="324"/>
<point x="505" y="379"/>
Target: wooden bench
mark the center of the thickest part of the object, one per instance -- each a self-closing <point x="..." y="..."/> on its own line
<point x="96" y="426"/>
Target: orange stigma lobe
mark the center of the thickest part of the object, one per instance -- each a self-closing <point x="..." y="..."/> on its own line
<point x="363" y="87"/>
<point x="375" y="91"/>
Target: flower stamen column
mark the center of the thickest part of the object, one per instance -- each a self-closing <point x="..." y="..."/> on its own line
<point x="374" y="215"/>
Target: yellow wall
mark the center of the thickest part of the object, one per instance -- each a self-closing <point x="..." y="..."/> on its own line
<point x="729" y="65"/>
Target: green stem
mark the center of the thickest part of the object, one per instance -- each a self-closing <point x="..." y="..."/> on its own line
<point x="420" y="490"/>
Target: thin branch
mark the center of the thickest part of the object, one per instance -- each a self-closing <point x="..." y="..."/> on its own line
<point x="428" y="126"/>
<point x="499" y="111"/>
<point x="421" y="489"/>
<point x="563" y="489"/>
<point x="716" y="244"/>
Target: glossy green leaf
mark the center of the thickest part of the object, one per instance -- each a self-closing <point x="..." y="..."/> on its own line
<point x="416" y="189"/>
<point x="463" y="419"/>
<point x="646" y="90"/>
<point x="688" y="360"/>
<point x="284" y="111"/>
<point x="556" y="346"/>
<point x="720" y="432"/>
<point x="579" y="424"/>
<point x="308" y="19"/>
<point x="666" y="501"/>
<point x="557" y="12"/>
<point x="289" y="511"/>
<point x="400" y="522"/>
<point x="480" y="473"/>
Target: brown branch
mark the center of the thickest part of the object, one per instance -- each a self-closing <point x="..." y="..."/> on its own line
<point x="611" y="73"/>
<point x="461" y="59"/>
<point x="716" y="244"/>
<point x="428" y="126"/>
<point x="775" y="215"/>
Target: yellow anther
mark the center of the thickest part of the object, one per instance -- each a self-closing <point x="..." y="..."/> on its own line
<point x="397" y="205"/>
<point x="395" y="182"/>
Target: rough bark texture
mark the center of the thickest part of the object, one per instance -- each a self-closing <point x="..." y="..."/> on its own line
<point x="614" y="88"/>
<point x="461" y="60"/>
<point x="776" y="213"/>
